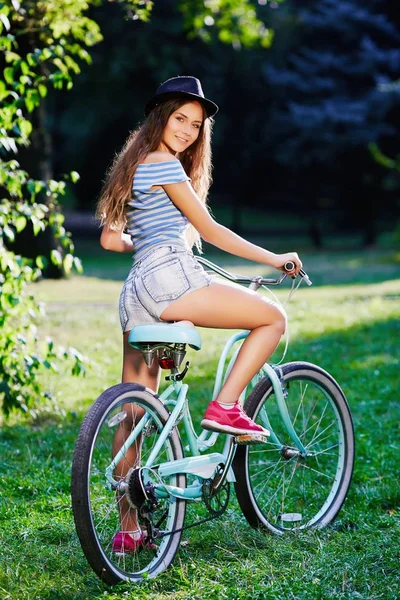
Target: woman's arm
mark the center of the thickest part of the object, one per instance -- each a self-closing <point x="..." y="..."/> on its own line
<point x="117" y="241"/>
<point x="185" y="198"/>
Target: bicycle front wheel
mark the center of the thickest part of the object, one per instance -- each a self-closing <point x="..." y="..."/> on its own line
<point x="101" y="509"/>
<point x="277" y="488"/>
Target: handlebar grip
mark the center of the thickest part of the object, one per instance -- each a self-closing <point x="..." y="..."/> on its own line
<point x="289" y="265"/>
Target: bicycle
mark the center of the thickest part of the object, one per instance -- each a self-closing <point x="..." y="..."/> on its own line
<point x="296" y="479"/>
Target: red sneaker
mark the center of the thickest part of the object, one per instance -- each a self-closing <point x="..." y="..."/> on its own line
<point x="233" y="420"/>
<point x="123" y="543"/>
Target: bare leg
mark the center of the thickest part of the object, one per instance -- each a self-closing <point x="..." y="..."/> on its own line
<point x="134" y="370"/>
<point x="232" y="307"/>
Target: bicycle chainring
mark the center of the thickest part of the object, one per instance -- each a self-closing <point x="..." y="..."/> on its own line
<point x="216" y="500"/>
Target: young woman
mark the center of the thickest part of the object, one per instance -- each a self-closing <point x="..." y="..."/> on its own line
<point x="153" y="205"/>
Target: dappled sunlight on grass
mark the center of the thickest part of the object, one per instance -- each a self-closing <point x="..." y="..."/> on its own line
<point x="373" y="362"/>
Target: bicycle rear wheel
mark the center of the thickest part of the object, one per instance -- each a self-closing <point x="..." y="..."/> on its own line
<point x="100" y="510"/>
<point x="279" y="490"/>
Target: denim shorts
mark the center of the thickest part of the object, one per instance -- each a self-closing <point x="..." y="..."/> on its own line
<point x="160" y="277"/>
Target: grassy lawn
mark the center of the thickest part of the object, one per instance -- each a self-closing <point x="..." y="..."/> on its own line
<point x="349" y="323"/>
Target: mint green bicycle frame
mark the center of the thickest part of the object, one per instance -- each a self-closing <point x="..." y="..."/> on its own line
<point x="175" y="397"/>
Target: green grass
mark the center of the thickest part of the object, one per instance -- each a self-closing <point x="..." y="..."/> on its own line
<point x="350" y="327"/>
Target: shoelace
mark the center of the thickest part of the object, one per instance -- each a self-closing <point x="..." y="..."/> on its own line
<point x="244" y="415"/>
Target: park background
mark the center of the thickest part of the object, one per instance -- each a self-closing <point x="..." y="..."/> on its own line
<point x="306" y="158"/>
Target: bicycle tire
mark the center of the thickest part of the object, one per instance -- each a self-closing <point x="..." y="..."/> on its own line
<point x="95" y="508"/>
<point x="280" y="491"/>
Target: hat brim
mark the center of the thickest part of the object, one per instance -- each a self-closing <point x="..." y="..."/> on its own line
<point x="210" y="107"/>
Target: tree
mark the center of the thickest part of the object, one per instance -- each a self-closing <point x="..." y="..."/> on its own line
<point x="41" y="44"/>
<point x="328" y="106"/>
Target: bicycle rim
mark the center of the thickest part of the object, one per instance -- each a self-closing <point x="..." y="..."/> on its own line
<point x="285" y="491"/>
<point x="100" y="511"/>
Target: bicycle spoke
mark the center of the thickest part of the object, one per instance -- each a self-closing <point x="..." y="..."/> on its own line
<point x="317" y="438"/>
<point x="288" y="485"/>
<point x="310" y="413"/>
<point x="281" y="486"/>
<point x="303" y="466"/>
<point x="319" y="420"/>
<point x="274" y="467"/>
<point x="326" y="451"/>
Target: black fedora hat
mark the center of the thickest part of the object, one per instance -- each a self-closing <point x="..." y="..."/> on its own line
<point x="183" y="86"/>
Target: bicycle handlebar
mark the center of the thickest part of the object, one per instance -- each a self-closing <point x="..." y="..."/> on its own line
<point x="289" y="266"/>
<point x="258" y="280"/>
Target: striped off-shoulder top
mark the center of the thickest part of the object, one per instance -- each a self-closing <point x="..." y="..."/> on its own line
<point x="152" y="218"/>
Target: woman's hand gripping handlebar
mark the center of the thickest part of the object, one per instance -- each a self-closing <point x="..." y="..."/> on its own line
<point x="289" y="266"/>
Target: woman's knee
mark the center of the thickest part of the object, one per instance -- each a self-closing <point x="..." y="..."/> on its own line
<point x="280" y="324"/>
<point x="276" y="318"/>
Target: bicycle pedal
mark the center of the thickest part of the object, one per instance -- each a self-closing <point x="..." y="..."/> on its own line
<point x="249" y="439"/>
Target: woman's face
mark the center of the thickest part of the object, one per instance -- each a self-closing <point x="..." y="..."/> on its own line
<point x="183" y="127"/>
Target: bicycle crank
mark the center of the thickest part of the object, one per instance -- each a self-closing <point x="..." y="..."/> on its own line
<point x="216" y="493"/>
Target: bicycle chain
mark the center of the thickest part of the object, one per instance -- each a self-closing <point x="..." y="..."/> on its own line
<point x="210" y="518"/>
<point x="187" y="526"/>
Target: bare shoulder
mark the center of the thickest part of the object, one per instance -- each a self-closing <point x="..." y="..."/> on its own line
<point x="158" y="157"/>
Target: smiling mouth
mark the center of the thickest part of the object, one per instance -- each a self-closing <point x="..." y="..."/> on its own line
<point x="181" y="139"/>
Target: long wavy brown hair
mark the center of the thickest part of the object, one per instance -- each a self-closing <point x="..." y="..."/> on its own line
<point x="196" y="161"/>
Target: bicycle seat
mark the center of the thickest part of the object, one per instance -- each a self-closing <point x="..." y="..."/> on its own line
<point x="168" y="333"/>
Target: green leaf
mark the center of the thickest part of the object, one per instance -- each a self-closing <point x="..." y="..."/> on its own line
<point x="45" y="54"/>
<point x="41" y="262"/>
<point x="25" y="127"/>
<point x="10" y="145"/>
<point x="50" y="365"/>
<point x="380" y="157"/>
<point x="78" y="265"/>
<point x="20" y="223"/>
<point x="32" y="99"/>
<point x="74" y="175"/>
<point x="76" y="354"/>
<point x="24" y="67"/>
<point x="7" y="288"/>
<point x="9" y="75"/>
<point x="71" y="64"/>
<point x="12" y="57"/>
<point x="68" y="263"/>
<point x="56" y="187"/>
<point x="38" y="225"/>
<point x="56" y="258"/>
<point x="42" y="90"/>
<point x="31" y="59"/>
<point x="8" y="232"/>
<point x="62" y="67"/>
<point x="5" y="20"/>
